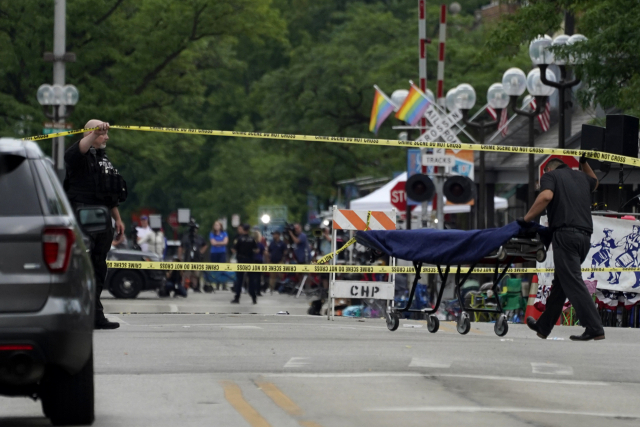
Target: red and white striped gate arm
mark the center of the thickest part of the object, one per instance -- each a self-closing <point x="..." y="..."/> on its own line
<point x="441" y="45"/>
<point x="422" y="54"/>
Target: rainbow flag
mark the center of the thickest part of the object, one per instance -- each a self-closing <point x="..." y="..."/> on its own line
<point x="413" y="107"/>
<point x="382" y="109"/>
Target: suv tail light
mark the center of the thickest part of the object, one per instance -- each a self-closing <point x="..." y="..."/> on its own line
<point x="16" y="347"/>
<point x="56" y="247"/>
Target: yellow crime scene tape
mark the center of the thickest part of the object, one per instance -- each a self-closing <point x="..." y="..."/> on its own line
<point x="351" y="241"/>
<point x="314" y="268"/>
<point x="324" y="269"/>
<point x="604" y="157"/>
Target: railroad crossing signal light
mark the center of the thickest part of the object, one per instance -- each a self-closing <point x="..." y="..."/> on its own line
<point x="420" y="188"/>
<point x="459" y="189"/>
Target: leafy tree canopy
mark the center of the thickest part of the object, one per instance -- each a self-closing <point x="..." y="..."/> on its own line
<point x="289" y="66"/>
<point x="611" y="68"/>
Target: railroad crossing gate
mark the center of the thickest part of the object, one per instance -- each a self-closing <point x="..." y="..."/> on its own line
<point x="344" y="219"/>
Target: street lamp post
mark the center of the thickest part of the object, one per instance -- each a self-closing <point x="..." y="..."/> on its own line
<point x="514" y="83"/>
<point x="542" y="57"/>
<point x="57" y="104"/>
<point x="465" y="99"/>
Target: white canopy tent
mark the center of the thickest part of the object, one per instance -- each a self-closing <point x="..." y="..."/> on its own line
<point x="380" y="200"/>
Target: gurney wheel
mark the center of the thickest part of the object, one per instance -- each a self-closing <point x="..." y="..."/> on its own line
<point x="393" y="321"/>
<point x="464" y="324"/>
<point x="501" y="327"/>
<point x="433" y="324"/>
<point x="541" y="255"/>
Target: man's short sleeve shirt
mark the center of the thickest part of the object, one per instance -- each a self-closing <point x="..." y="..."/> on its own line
<point x="571" y="203"/>
<point x="244" y="246"/>
<point x="276" y="251"/>
<point x="302" y="249"/>
<point x="81" y="182"/>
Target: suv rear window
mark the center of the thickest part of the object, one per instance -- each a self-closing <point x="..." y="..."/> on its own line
<point x="53" y="201"/>
<point x="18" y="195"/>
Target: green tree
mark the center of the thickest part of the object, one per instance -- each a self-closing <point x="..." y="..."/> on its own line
<point x="327" y="87"/>
<point x="610" y="71"/>
<point x="295" y="66"/>
<point x="154" y="62"/>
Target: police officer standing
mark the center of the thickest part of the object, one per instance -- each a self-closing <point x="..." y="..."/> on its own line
<point x="192" y="249"/>
<point x="92" y="180"/>
<point x="566" y="194"/>
<point x="245" y="247"/>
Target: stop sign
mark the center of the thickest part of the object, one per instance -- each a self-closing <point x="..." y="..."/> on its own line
<point x="399" y="197"/>
<point x="173" y="220"/>
<point x="571" y="161"/>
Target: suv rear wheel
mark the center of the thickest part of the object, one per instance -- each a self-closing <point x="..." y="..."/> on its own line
<point x="126" y="284"/>
<point x="68" y="399"/>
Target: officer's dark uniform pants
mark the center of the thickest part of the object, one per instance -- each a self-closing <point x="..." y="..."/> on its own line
<point x="570" y="249"/>
<point x="101" y="244"/>
<point x="254" y="284"/>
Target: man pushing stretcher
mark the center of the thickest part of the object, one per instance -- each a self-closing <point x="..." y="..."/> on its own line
<point x="566" y="194"/>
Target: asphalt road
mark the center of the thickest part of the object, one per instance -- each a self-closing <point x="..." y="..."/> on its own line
<point x="218" y="302"/>
<point x="276" y="370"/>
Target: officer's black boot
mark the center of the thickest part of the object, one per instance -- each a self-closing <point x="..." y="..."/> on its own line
<point x="106" y="324"/>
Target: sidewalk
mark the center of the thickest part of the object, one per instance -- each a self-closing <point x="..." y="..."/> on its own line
<point x="218" y="302"/>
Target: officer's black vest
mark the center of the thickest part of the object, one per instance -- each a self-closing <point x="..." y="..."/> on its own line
<point x="109" y="184"/>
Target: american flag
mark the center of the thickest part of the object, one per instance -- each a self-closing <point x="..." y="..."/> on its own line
<point x="544" y="117"/>
<point x="502" y="126"/>
<point x="504" y="121"/>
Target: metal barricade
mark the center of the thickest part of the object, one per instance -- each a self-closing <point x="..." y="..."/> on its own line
<point x="351" y="220"/>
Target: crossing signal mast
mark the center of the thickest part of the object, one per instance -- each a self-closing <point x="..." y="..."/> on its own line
<point x="419" y="187"/>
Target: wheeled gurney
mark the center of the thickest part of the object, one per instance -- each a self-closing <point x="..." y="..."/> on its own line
<point x="497" y="248"/>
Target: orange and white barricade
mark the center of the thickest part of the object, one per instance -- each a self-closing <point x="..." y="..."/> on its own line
<point x="360" y="220"/>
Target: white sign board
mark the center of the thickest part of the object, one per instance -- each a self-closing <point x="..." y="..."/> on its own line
<point x="155" y="221"/>
<point x="441" y="125"/>
<point x="431" y="160"/>
<point x="184" y="216"/>
<point x="614" y="243"/>
<point x="366" y="290"/>
<point x="235" y="220"/>
<point x="223" y="221"/>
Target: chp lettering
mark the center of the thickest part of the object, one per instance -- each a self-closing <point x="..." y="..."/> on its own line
<point x="364" y="291"/>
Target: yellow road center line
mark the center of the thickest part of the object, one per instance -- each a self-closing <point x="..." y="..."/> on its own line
<point x="309" y="424"/>
<point x="233" y="394"/>
<point x="280" y="399"/>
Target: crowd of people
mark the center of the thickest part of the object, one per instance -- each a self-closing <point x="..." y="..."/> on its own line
<point x="248" y="246"/>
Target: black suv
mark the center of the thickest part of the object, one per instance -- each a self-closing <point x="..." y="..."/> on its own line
<point x="47" y="287"/>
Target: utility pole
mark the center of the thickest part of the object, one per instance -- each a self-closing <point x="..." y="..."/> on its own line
<point x="58" y="101"/>
<point x="569" y="29"/>
<point x="422" y="74"/>
<point x="59" y="48"/>
<point x="439" y="191"/>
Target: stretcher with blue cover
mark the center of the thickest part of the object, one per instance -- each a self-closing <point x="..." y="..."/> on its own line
<point x="496" y="247"/>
